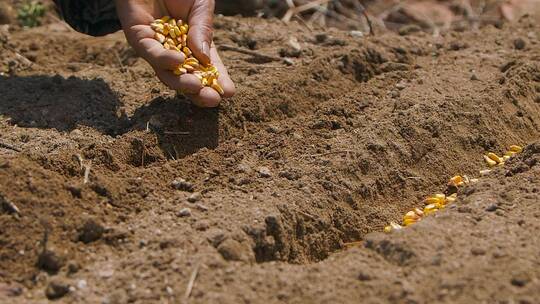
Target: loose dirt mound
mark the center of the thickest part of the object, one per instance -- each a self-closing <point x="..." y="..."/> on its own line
<point x="256" y="194"/>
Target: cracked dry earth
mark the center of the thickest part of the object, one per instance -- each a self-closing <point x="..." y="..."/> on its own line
<point x="260" y="197"/>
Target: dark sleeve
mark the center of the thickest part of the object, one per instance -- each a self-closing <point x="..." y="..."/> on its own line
<point x="92" y="17"/>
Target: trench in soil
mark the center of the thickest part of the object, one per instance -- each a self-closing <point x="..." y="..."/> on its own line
<point x="353" y="137"/>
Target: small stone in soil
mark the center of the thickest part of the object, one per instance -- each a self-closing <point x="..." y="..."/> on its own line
<point x="202" y="207"/>
<point x="182" y="185"/>
<point x="491" y="208"/>
<point x="73" y="267"/>
<point x="478" y="251"/>
<point x="49" y="261"/>
<point x="519" y="44"/>
<point x="474" y="77"/>
<point x="322" y="37"/>
<point x="364" y="276"/>
<point x="81" y="284"/>
<point x="56" y="289"/>
<point x="184" y="212"/>
<point x="202" y="225"/>
<point x="194" y="197"/>
<point x="91" y="231"/>
<point x="401" y="85"/>
<point x="519" y="280"/>
<point x="264" y="172"/>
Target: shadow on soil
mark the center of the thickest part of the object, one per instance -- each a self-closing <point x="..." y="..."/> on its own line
<point x="63" y="104"/>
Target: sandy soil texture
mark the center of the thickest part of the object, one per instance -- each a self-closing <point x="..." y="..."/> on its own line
<point x="127" y="193"/>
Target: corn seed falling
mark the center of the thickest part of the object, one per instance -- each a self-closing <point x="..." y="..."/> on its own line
<point x="172" y="34"/>
<point x="439" y="201"/>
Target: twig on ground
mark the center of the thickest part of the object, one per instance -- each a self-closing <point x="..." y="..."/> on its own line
<point x="119" y="60"/>
<point x="363" y="11"/>
<point x="298" y="9"/>
<point x="9" y="147"/>
<point x="225" y="47"/>
<point x="8" y="206"/>
<point x="191" y="282"/>
<point x="80" y="160"/>
<point x="64" y="24"/>
<point x="87" y="173"/>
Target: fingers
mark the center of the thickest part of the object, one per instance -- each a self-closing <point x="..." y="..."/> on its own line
<point x="207" y="98"/>
<point x="186" y="83"/>
<point x="200" y="29"/>
<point x="153" y="51"/>
<point x="224" y="79"/>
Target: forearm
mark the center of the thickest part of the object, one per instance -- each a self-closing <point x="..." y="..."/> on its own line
<point x="95" y="18"/>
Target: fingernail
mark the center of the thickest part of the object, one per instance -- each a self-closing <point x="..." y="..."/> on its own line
<point x="206" y="49"/>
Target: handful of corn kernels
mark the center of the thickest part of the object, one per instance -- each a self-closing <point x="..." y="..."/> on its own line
<point x="173" y="35"/>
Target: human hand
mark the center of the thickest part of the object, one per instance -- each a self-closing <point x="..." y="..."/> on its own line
<point x="136" y="16"/>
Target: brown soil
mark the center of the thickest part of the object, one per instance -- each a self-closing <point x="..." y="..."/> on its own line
<point x="305" y="159"/>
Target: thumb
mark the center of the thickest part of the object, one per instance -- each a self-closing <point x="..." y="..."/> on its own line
<point x="201" y="29"/>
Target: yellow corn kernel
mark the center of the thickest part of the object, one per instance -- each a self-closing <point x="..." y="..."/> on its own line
<point x="184" y="39"/>
<point x="159" y="37"/>
<point x="192" y="60"/>
<point x="494" y="157"/>
<point x="395" y="226"/>
<point x="188" y="68"/>
<point x="510" y="153"/>
<point x="187" y="51"/>
<point x="204" y="82"/>
<point x="505" y="158"/>
<point x="172" y="22"/>
<point x="172" y="34"/>
<point x="411" y="215"/>
<point x="409" y="222"/>
<point x="474" y="180"/>
<point x="199" y="76"/>
<point x="179" y="22"/>
<point x="157" y="27"/>
<point x="179" y="71"/>
<point x="166" y="29"/>
<point x="418" y="212"/>
<point x="212" y="69"/>
<point x="167" y="46"/>
<point x="210" y="78"/>
<point x="177" y="32"/>
<point x="456" y="181"/>
<point x="388" y="229"/>
<point x="164" y="19"/>
<point x="175" y="48"/>
<point x="184" y="29"/>
<point x="490" y="161"/>
<point x="215" y="85"/>
<point x="451" y="198"/>
<point x="436" y="199"/>
<point x="431" y="208"/>
<point x="515" y="148"/>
